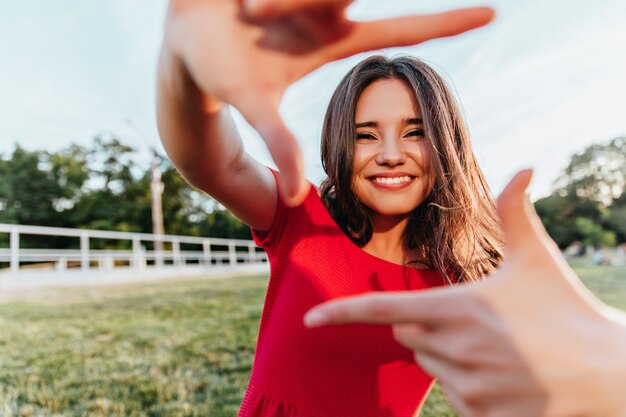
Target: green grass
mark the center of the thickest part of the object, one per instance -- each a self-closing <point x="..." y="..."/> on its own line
<point x="174" y="348"/>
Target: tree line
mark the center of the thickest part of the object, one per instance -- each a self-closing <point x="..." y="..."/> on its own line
<point x="104" y="187"/>
<point x="588" y="201"/>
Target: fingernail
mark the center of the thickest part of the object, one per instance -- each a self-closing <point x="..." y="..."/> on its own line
<point x="314" y="319"/>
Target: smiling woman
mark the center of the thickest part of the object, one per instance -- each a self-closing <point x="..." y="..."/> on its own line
<point x="404" y="206"/>
<point x="403" y="182"/>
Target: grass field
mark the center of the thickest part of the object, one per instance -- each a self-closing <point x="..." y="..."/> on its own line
<point x="175" y="348"/>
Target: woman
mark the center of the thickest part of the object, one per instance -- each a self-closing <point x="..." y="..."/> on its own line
<point x="404" y="206"/>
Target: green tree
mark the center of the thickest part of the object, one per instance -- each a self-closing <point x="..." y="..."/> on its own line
<point x="102" y="187"/>
<point x="591" y="188"/>
<point x="616" y="218"/>
<point x="598" y="173"/>
<point x="593" y="234"/>
<point x="558" y="213"/>
<point x="36" y="188"/>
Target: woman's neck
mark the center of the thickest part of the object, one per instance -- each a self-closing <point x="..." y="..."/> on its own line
<point x="388" y="240"/>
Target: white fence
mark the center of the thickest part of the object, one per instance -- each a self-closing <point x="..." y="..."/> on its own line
<point x="147" y="251"/>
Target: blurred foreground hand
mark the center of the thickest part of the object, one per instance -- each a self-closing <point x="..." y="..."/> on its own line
<point x="234" y="57"/>
<point x="529" y="341"/>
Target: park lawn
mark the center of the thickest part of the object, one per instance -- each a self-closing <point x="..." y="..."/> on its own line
<point x="173" y="348"/>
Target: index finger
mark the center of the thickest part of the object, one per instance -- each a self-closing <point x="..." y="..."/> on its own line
<point x="430" y="308"/>
<point x="409" y="30"/>
<point x="263" y="115"/>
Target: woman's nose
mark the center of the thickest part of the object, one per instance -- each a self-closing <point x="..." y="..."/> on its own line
<point x="391" y="153"/>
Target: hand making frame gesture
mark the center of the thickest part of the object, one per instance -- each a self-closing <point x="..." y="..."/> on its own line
<point x="529" y="341"/>
<point x="248" y="60"/>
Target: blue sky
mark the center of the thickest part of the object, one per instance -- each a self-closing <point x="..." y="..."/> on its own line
<point x="543" y="81"/>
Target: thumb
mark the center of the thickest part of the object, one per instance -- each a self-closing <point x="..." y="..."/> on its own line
<point x="263" y="115"/>
<point x="520" y="223"/>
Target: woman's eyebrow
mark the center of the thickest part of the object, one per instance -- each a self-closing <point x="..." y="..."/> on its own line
<point x="366" y="124"/>
<point x="409" y="121"/>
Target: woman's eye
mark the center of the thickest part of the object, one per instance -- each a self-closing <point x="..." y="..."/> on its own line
<point x="416" y="132"/>
<point x="365" y="136"/>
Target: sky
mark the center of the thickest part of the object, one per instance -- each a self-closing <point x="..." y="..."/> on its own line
<point x="543" y="81"/>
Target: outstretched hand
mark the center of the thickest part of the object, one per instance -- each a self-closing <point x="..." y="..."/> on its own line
<point x="529" y="341"/>
<point x="248" y="60"/>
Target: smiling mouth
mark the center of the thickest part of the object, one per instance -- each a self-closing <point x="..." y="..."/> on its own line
<point x="392" y="180"/>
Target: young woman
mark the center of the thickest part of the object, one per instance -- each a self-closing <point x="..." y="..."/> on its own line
<point x="404" y="206"/>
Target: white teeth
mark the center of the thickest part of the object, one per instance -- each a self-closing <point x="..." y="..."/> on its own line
<point x="394" y="180"/>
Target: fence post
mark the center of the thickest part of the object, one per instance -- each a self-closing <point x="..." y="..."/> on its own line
<point x="61" y="264"/>
<point x="206" y="250"/>
<point x="232" y="254"/>
<point x="252" y="252"/>
<point x="15" y="250"/>
<point x="84" y="251"/>
<point x="176" y="251"/>
<point x="158" y="251"/>
<point x="136" y="252"/>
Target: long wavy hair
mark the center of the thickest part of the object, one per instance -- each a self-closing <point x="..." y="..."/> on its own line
<point x="456" y="227"/>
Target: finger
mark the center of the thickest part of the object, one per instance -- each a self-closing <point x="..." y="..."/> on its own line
<point x="453" y="382"/>
<point x="263" y="115"/>
<point x="271" y="9"/>
<point x="409" y="334"/>
<point x="429" y="308"/>
<point x="408" y="30"/>
<point x="445" y="346"/>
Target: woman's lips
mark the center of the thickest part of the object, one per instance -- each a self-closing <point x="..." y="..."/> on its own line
<point x="392" y="182"/>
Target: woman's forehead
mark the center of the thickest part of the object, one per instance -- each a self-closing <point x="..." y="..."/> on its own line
<point x="387" y="100"/>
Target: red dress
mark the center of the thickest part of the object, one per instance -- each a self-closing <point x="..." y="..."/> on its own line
<point x="343" y="371"/>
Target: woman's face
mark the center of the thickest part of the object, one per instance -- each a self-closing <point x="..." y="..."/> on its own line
<point x="392" y="175"/>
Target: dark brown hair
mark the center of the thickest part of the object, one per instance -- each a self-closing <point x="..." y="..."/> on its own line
<point x="456" y="227"/>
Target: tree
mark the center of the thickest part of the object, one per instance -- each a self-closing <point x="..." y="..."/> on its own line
<point x="598" y="173"/>
<point x="616" y="218"/>
<point x="587" y="203"/>
<point x="102" y="187"/>
<point x="558" y="213"/>
<point x="38" y="188"/>
<point x="592" y="234"/>
<point x="33" y="187"/>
